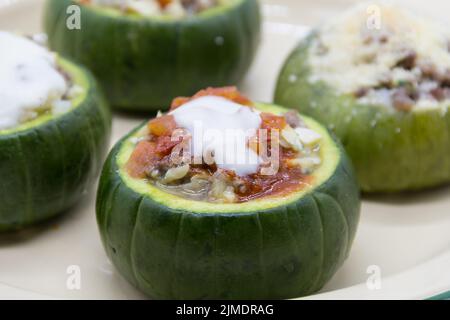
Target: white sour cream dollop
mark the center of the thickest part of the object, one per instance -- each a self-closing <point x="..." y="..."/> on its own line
<point x="222" y="127"/>
<point x="28" y="78"/>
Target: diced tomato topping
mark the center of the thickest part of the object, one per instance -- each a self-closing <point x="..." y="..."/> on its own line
<point x="271" y="121"/>
<point x="142" y="158"/>
<point x="283" y="182"/>
<point x="164" y="145"/>
<point x="164" y="3"/>
<point x="230" y="93"/>
<point x="149" y="153"/>
<point x="162" y="126"/>
<point x="253" y="143"/>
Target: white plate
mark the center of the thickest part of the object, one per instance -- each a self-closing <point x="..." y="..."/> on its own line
<point x="406" y="238"/>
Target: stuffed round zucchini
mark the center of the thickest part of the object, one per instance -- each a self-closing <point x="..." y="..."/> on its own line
<point x="54" y="131"/>
<point x="384" y="87"/>
<point x="146" y="52"/>
<point x="261" y="204"/>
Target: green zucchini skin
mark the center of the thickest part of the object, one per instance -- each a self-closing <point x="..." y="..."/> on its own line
<point x="284" y="252"/>
<point x="45" y="169"/>
<point x="392" y="151"/>
<point x="143" y="63"/>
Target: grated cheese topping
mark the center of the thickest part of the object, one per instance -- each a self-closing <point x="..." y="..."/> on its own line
<point x="384" y="55"/>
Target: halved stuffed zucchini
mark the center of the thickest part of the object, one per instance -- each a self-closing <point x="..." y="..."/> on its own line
<point x="383" y="89"/>
<point x="144" y="53"/>
<point x="54" y="132"/>
<point x="261" y="204"/>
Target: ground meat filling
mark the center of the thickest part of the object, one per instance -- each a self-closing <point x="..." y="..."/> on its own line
<point x="158" y="7"/>
<point x="298" y="156"/>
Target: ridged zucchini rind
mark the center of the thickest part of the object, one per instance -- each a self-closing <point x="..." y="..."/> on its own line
<point x="173" y="248"/>
<point x="143" y="62"/>
<point x="48" y="163"/>
<point x="391" y="150"/>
